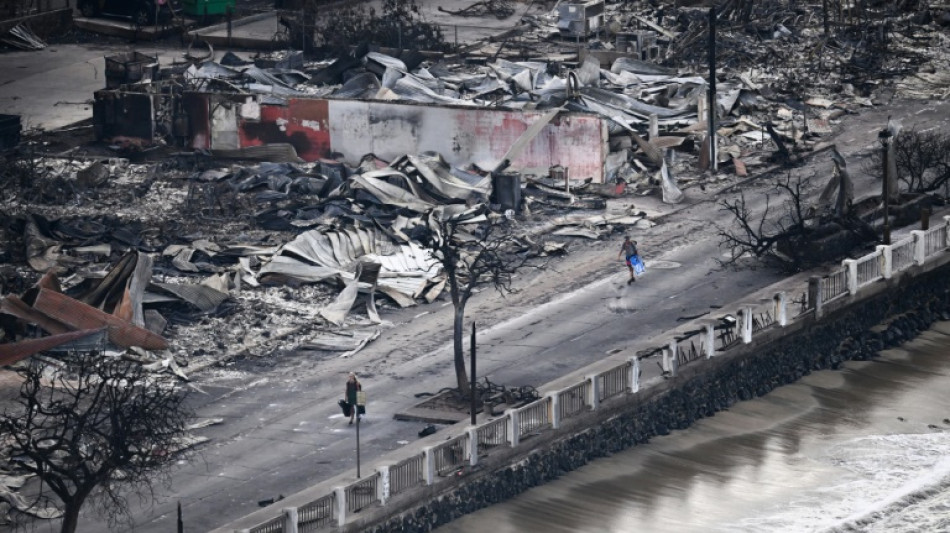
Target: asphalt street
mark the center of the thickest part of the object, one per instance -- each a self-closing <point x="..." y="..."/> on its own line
<point x="284" y="432"/>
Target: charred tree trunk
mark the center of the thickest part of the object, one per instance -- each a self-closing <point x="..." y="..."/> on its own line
<point x="461" y="376"/>
<point x="71" y="513"/>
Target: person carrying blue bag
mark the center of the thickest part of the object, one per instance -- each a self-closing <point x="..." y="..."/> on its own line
<point x="631" y="253"/>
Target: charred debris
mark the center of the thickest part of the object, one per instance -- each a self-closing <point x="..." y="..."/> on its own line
<point x="179" y="250"/>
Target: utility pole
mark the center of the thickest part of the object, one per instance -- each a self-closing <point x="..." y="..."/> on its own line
<point x="885" y="138"/>
<point x="360" y="403"/>
<point x="474" y="401"/>
<point x="711" y="98"/>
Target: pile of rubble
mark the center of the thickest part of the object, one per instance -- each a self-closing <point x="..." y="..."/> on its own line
<point x="294" y="223"/>
<point x="180" y="269"/>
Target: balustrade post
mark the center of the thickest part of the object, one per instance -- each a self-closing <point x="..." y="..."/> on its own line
<point x="946" y="222"/>
<point x="514" y="427"/>
<point x="814" y="294"/>
<point x="554" y="411"/>
<point x="746" y="325"/>
<point x="709" y="340"/>
<point x="290" y="519"/>
<point x="634" y="374"/>
<point x="472" y="446"/>
<point x="852" y="275"/>
<point x="920" y="246"/>
<point x="428" y="465"/>
<point x="887" y="260"/>
<point x="340" y="499"/>
<point x="593" y="398"/>
<point x="669" y="358"/>
<point x="781" y="308"/>
<point x="382" y="486"/>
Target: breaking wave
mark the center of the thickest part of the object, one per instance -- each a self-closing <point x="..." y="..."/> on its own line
<point x="891" y="483"/>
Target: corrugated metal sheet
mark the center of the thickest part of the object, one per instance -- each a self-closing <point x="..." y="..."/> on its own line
<point x="82" y="316"/>
<point x="18" y="308"/>
<point x="15" y="351"/>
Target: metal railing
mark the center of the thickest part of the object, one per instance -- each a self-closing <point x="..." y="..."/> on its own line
<point x="316" y="514"/>
<point x="492" y="434"/>
<point x="834" y="285"/>
<point x="450" y="455"/>
<point x="869" y="268"/>
<point x="614" y="382"/>
<point x="534" y="416"/>
<point x="763" y="316"/>
<point x="406" y="474"/>
<point x="573" y="400"/>
<point x="274" y="525"/>
<point x="689" y="349"/>
<point x="726" y="334"/>
<point x="363" y="493"/>
<point x="935" y="240"/>
<point x="902" y="254"/>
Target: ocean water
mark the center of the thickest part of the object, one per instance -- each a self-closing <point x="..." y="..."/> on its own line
<point x="864" y="448"/>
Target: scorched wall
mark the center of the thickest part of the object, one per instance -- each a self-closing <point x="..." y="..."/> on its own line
<point x="354" y="128"/>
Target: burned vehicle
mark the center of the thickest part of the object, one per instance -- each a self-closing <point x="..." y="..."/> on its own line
<point x="140" y="12"/>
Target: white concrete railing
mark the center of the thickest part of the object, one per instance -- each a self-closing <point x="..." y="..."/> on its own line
<point x="548" y="413"/>
<point x="834" y="285"/>
<point x="614" y="382"/>
<point x="866" y="270"/>
<point x="534" y="417"/>
<point x="902" y="254"/>
<point x="451" y="455"/>
<point x="406" y="474"/>
<point x="491" y="435"/>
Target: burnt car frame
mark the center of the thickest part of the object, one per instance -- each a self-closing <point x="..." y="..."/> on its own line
<point x="140" y="12"/>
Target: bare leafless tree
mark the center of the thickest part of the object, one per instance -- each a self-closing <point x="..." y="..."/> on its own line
<point x="769" y="235"/>
<point x="922" y="159"/>
<point x="475" y="249"/>
<point x="96" y="428"/>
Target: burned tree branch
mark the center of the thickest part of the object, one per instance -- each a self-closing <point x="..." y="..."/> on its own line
<point x="95" y="429"/>
<point x="475" y="248"/>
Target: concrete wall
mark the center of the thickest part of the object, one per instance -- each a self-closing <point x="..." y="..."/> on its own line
<point x="462" y="135"/>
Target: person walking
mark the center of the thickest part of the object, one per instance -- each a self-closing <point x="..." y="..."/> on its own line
<point x="352" y="387"/>
<point x="630" y="252"/>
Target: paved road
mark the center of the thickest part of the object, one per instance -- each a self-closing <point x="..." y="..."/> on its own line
<point x="283" y="431"/>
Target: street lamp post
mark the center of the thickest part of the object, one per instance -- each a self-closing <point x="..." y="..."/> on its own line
<point x="360" y="403"/>
<point x="885" y="137"/>
<point x="474" y="401"/>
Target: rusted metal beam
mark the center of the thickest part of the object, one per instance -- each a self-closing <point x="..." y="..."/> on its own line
<point x="15" y="351"/>
<point x="12" y="305"/>
<point x="82" y="316"/>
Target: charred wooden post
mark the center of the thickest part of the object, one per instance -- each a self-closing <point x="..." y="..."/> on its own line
<point x="474" y="393"/>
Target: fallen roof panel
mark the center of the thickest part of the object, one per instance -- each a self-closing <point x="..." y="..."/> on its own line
<point x="82" y="316"/>
<point x="15" y="351"/>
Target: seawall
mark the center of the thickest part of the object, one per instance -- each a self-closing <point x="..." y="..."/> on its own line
<point x="856" y="330"/>
<point x="781" y="334"/>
